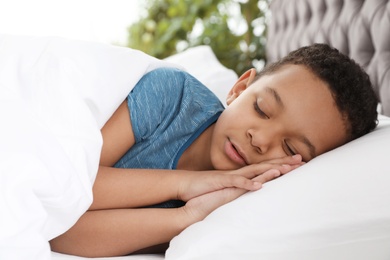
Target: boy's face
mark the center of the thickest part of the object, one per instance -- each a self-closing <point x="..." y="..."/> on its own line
<point x="288" y="112"/>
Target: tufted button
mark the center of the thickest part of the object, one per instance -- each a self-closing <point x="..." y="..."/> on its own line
<point x="358" y="28"/>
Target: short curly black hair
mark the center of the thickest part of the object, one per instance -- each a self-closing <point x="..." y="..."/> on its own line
<point x="349" y="84"/>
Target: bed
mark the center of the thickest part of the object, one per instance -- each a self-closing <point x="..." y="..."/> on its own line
<point x="335" y="207"/>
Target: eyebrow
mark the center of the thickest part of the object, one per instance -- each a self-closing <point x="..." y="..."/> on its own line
<point x="276" y="96"/>
<point x="303" y="139"/>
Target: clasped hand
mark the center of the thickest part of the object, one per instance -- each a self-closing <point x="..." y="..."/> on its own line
<point x="205" y="191"/>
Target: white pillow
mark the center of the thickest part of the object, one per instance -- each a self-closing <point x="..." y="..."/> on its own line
<point x="335" y="207"/>
<point x="201" y="62"/>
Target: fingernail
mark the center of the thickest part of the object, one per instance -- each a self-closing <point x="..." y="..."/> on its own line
<point x="296" y="156"/>
<point x="257" y="184"/>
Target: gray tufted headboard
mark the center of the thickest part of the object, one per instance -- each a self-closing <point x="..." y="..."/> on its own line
<point x="358" y="28"/>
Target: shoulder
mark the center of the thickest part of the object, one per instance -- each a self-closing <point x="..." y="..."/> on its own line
<point x="165" y="77"/>
<point x="172" y="89"/>
<point x="162" y="83"/>
<point x="168" y="96"/>
<point x="172" y="85"/>
<point x="168" y="79"/>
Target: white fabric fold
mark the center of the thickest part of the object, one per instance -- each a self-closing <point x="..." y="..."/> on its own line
<point x="55" y="95"/>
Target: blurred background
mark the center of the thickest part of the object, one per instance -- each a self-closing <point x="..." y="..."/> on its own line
<point x="234" y="29"/>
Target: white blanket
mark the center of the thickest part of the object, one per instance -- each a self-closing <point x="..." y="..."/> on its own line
<point x="55" y="95"/>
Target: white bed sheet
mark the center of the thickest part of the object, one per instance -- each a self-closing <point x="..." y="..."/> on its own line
<point x="57" y="256"/>
<point x="55" y="95"/>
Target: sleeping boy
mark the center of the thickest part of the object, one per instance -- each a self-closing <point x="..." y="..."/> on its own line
<point x="172" y="153"/>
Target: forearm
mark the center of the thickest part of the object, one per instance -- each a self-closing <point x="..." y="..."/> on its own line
<point x="120" y="231"/>
<point x="132" y="188"/>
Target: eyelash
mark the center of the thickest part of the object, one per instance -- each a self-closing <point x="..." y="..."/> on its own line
<point x="259" y="111"/>
<point x="289" y="151"/>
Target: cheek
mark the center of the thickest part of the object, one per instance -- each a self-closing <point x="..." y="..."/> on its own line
<point x="227" y="121"/>
<point x="332" y="140"/>
<point x="273" y="153"/>
<point x="332" y="134"/>
<point x="219" y="160"/>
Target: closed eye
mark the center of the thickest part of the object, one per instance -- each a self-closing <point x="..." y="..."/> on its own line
<point x="288" y="149"/>
<point x="259" y="111"/>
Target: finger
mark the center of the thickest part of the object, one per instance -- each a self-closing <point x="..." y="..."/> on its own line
<point x="284" y="165"/>
<point x="238" y="181"/>
<point x="267" y="176"/>
<point x="254" y="170"/>
<point x="285" y="168"/>
<point x="295" y="159"/>
<point x="255" y="183"/>
<point x="288" y="168"/>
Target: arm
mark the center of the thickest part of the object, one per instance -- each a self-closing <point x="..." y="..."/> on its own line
<point x="121" y="188"/>
<point x="123" y="231"/>
<point x="120" y="231"/>
<point x="121" y="228"/>
<point x="132" y="188"/>
<point x="118" y="136"/>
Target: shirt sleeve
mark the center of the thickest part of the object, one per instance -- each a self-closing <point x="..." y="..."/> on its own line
<point x="155" y="101"/>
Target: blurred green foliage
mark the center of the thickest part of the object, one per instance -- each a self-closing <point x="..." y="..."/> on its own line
<point x="234" y="29"/>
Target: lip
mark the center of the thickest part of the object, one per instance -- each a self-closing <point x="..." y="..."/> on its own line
<point x="235" y="153"/>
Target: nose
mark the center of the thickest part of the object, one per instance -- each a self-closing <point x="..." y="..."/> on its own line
<point x="261" y="142"/>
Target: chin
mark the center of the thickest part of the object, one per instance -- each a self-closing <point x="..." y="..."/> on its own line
<point x="226" y="166"/>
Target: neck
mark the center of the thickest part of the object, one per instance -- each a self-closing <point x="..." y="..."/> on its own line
<point x="197" y="156"/>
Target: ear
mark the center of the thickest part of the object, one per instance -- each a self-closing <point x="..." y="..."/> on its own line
<point x="242" y="83"/>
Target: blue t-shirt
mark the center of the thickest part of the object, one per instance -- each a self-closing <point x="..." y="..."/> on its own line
<point x="169" y="109"/>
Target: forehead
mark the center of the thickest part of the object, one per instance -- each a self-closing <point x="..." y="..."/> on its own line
<point x="308" y="105"/>
<point x="295" y="79"/>
<point x="293" y="74"/>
